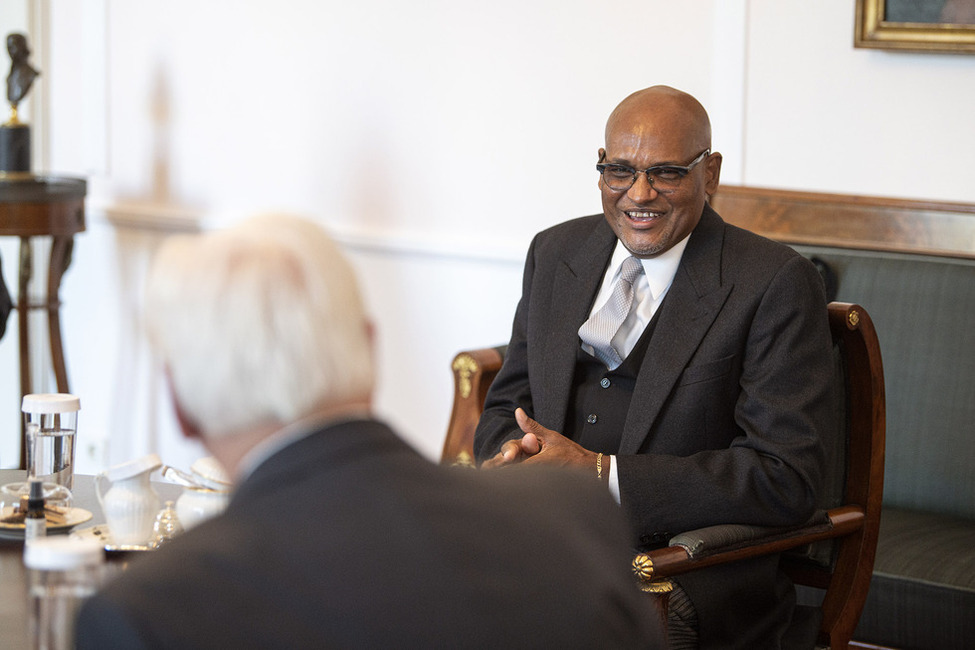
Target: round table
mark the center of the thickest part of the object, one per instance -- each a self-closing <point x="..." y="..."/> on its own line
<point x="13" y="576"/>
<point x="34" y="206"/>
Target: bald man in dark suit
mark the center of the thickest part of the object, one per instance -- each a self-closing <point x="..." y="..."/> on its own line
<point x="715" y="407"/>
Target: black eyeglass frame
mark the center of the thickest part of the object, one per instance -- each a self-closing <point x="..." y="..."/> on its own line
<point x="681" y="172"/>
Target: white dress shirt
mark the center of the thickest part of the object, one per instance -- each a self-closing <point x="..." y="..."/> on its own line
<point x="648" y="292"/>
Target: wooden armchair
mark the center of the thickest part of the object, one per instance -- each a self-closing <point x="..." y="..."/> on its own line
<point x="833" y="553"/>
<point x="474" y="370"/>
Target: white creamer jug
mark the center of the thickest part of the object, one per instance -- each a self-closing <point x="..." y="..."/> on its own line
<point x="130" y="504"/>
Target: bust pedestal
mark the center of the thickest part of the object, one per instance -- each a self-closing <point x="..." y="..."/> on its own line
<point x="14" y="148"/>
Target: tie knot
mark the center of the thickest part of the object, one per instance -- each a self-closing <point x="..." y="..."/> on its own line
<point x="631" y="269"/>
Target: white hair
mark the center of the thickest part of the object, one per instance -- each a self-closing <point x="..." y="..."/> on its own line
<point x="259" y="323"/>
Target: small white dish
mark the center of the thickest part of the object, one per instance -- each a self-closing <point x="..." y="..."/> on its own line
<point x="103" y="535"/>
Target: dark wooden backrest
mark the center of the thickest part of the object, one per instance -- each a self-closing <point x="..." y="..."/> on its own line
<point x="847" y="577"/>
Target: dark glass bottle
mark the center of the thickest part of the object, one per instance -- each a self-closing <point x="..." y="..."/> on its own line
<point x="35" y="522"/>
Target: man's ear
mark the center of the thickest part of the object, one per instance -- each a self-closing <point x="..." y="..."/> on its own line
<point x="602" y="157"/>
<point x="371" y="332"/>
<point x="186" y="424"/>
<point x="712" y="173"/>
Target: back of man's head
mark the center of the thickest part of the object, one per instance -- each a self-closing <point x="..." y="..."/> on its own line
<point x="258" y="325"/>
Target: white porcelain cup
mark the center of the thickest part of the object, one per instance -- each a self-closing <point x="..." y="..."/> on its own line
<point x="196" y="505"/>
<point x="206" y="491"/>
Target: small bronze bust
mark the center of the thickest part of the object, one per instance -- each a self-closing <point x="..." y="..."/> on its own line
<point x="22" y="74"/>
<point x="14" y="134"/>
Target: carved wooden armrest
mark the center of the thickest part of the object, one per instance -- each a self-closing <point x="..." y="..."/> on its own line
<point x="725" y="543"/>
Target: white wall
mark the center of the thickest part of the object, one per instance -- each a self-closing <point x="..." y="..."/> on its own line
<point x="433" y="139"/>
<point x="823" y="116"/>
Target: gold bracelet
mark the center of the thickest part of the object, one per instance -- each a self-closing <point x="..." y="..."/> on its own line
<point x="599" y="465"/>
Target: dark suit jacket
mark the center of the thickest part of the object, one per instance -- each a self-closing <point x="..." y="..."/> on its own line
<point x="725" y="420"/>
<point x="348" y="538"/>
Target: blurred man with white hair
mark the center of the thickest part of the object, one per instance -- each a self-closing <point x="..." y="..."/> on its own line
<point x="338" y="533"/>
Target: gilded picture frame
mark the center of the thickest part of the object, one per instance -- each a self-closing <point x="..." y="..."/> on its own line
<point x="916" y="25"/>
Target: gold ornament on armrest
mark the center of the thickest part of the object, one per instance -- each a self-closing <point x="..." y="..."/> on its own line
<point x="464" y="365"/>
<point x="463" y="459"/>
<point x="643" y="568"/>
<point x="661" y="586"/>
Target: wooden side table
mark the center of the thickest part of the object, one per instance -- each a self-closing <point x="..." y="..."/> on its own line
<point x="33" y="206"/>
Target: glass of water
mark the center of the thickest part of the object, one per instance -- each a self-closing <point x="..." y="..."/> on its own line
<point x="62" y="573"/>
<point x="52" y="423"/>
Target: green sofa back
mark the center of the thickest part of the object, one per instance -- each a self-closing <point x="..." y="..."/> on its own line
<point x="923" y="308"/>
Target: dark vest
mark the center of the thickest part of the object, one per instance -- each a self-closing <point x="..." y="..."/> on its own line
<point x="600" y="397"/>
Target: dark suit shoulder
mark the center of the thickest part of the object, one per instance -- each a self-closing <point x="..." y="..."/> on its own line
<point x="379" y="528"/>
<point x="569" y="233"/>
<point x="746" y="242"/>
<point x="749" y="256"/>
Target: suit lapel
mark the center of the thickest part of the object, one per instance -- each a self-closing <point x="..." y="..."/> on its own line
<point x="693" y="302"/>
<point x="576" y="280"/>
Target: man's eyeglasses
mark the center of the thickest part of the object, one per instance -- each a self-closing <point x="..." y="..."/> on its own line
<point x="663" y="178"/>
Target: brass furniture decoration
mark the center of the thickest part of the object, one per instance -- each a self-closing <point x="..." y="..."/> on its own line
<point x="474" y="371"/>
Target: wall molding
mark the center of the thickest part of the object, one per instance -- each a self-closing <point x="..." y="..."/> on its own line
<point x="431" y="245"/>
<point x="146" y="216"/>
<point x="161" y="217"/>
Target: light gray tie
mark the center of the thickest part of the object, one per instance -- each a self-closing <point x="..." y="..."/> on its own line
<point x="602" y="326"/>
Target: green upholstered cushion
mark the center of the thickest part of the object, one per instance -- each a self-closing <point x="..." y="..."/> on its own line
<point x="923" y="590"/>
<point x="927" y="547"/>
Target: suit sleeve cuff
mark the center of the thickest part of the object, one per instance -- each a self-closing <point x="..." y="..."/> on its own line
<point x="614" y="478"/>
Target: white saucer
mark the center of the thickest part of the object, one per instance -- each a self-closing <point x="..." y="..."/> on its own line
<point x="65" y="518"/>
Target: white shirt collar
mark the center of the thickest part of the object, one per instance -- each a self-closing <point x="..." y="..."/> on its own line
<point x="287" y="435"/>
<point x="659" y="270"/>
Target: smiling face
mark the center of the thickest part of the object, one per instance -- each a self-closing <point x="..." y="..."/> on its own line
<point x="658" y="126"/>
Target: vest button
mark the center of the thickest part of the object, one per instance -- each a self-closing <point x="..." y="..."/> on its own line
<point x="592" y="418"/>
<point x="605" y="382"/>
